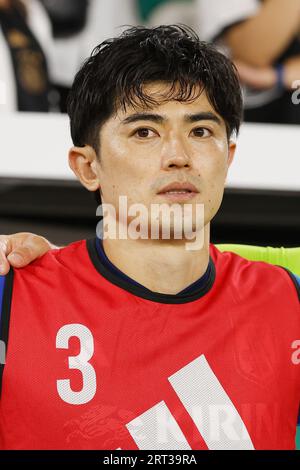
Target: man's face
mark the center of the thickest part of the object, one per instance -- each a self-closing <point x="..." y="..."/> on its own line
<point x="144" y="150"/>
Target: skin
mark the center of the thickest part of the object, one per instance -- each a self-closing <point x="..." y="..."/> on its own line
<point x="5" y="4"/>
<point x="259" y="40"/>
<point x="137" y="159"/>
<point x="265" y="77"/>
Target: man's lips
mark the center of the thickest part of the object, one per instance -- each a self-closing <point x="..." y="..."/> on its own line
<point x="179" y="188"/>
<point x="179" y="191"/>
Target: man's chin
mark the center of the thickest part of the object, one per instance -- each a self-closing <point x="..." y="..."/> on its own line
<point x="171" y="232"/>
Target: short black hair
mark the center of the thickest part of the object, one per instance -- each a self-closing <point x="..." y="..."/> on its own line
<point x="117" y="70"/>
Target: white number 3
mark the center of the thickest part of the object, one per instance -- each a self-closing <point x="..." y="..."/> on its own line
<point x="79" y="362"/>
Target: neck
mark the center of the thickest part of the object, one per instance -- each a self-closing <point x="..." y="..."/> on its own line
<point x="163" y="266"/>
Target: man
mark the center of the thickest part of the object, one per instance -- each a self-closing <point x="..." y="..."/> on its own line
<point x="142" y="342"/>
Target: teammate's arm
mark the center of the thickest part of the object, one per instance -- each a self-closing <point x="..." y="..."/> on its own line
<point x="289" y="258"/>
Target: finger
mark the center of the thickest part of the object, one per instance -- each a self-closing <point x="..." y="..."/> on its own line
<point x="4" y="264"/>
<point x="22" y="256"/>
<point x="6" y="244"/>
<point x="5" y="249"/>
<point x="18" y="258"/>
<point x="32" y="248"/>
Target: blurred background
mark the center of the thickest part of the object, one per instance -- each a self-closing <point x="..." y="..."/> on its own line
<point x="44" y="42"/>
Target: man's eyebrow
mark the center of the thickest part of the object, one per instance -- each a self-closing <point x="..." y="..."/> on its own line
<point x="203" y="116"/>
<point x="144" y="117"/>
<point x="159" y="119"/>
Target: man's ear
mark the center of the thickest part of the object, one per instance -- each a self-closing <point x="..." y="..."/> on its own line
<point x="84" y="163"/>
<point x="231" y="152"/>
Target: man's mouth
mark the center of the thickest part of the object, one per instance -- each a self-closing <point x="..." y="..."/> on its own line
<point x="183" y="191"/>
<point x="178" y="191"/>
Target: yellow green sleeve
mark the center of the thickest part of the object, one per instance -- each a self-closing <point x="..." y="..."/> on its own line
<point x="287" y="257"/>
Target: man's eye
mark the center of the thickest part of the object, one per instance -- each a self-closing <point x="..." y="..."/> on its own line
<point x="144" y="132"/>
<point x="201" y="132"/>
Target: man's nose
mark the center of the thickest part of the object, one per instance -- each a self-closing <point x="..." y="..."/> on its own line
<point x="175" y="155"/>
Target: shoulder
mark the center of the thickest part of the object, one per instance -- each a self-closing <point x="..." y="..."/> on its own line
<point x="253" y="275"/>
<point x="70" y="257"/>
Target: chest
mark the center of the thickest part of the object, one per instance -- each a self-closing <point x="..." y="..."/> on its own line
<point x="130" y="378"/>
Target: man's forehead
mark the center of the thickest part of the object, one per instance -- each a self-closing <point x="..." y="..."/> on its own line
<point x="160" y="88"/>
<point x="168" y="108"/>
<point x="165" y="97"/>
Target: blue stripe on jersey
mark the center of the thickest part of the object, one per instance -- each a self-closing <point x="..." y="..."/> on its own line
<point x="297" y="279"/>
<point x="202" y="281"/>
<point x="2" y="284"/>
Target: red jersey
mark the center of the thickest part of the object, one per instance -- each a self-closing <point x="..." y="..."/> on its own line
<point x="96" y="363"/>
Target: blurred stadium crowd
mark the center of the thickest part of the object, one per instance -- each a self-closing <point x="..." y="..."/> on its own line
<point x="44" y="42"/>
